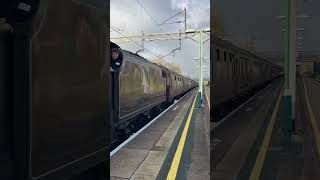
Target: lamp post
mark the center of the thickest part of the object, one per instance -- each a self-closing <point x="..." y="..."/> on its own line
<point x="288" y="101"/>
<point x="289" y="95"/>
<point x="200" y="57"/>
<point x="200" y="68"/>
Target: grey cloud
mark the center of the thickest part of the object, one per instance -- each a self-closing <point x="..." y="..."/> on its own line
<point x="126" y="15"/>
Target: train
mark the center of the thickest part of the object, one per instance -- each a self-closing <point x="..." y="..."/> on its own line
<point x="54" y="90"/>
<point x="236" y="72"/>
<point x="142" y="86"/>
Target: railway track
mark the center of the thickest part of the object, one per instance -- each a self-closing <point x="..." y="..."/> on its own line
<point x="237" y="102"/>
<point x="138" y="127"/>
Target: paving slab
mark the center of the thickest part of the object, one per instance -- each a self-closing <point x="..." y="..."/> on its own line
<point x="143" y="157"/>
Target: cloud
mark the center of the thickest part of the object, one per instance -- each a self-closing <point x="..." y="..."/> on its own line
<point x="198" y="12"/>
<point x="176" y="4"/>
<point x="131" y="18"/>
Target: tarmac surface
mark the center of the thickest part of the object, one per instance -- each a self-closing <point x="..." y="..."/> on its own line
<point x="249" y="144"/>
<point x="175" y="146"/>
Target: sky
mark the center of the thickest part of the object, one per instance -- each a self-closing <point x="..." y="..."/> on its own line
<point x="258" y="18"/>
<point x="131" y="18"/>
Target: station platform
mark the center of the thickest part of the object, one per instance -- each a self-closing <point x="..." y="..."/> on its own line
<point x="175" y="145"/>
<point x="248" y="144"/>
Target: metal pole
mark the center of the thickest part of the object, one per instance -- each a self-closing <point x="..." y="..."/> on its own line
<point x="287" y="111"/>
<point x="199" y="58"/>
<point x="201" y="64"/>
<point x="185" y="19"/>
<point x="292" y="69"/>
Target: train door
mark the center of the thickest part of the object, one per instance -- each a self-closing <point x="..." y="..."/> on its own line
<point x="217" y="66"/>
<point x="237" y="75"/>
<point x="5" y="93"/>
<point x="167" y="76"/>
<point x="250" y="73"/>
<point x="233" y="65"/>
<point x="115" y="71"/>
<point x="171" y="84"/>
<point x="240" y="73"/>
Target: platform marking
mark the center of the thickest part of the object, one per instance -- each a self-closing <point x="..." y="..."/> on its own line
<point x="234" y="111"/>
<point x="208" y="101"/>
<point x="175" y="108"/>
<point x="313" y="120"/>
<point x="255" y="174"/>
<point x="144" y="127"/>
<point x="177" y="156"/>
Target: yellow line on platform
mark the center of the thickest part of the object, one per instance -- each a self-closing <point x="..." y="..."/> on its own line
<point x="177" y="156"/>
<point x="255" y="174"/>
<point x="313" y="120"/>
<point x="208" y="101"/>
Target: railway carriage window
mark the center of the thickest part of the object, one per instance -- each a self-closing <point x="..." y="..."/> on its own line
<point x="116" y="59"/>
<point x="225" y="56"/>
<point x="221" y="70"/>
<point x="226" y="65"/>
<point x="235" y="67"/>
<point x="240" y="67"/>
<point x="218" y="54"/>
<point x="246" y="69"/>
<point x="231" y="66"/>
<point x="243" y="68"/>
<point x="164" y="74"/>
<point x="233" y="62"/>
<point x="250" y="69"/>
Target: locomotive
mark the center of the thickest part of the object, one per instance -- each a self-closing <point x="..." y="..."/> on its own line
<point x="54" y="92"/>
<point x="141" y="87"/>
<point x="236" y="72"/>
